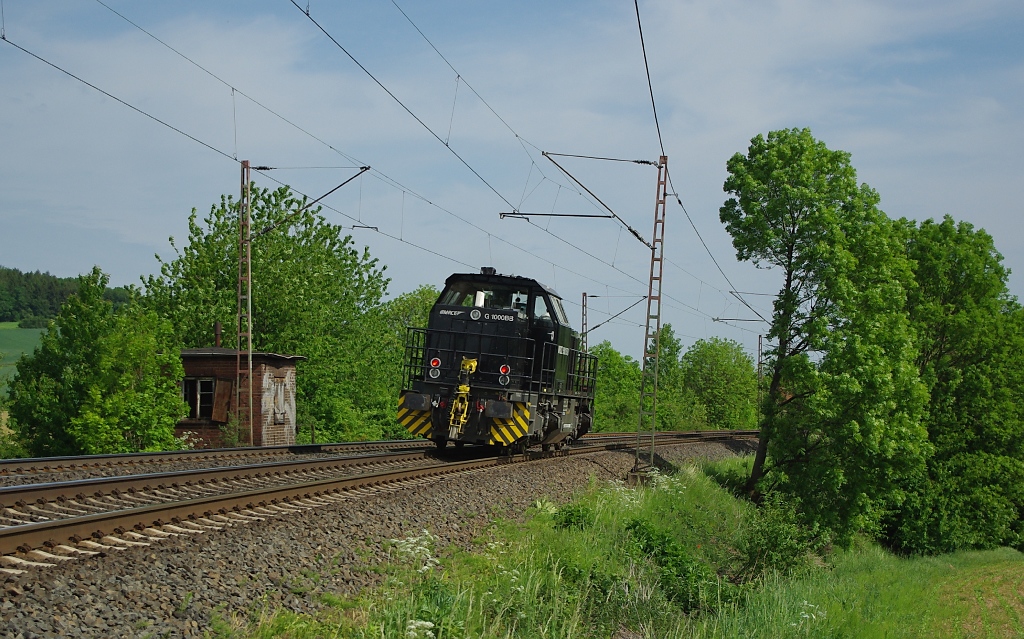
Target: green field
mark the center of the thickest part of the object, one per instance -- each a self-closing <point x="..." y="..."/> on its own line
<point x="13" y="342"/>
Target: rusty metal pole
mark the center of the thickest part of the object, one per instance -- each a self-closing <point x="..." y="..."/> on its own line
<point x="244" y="315"/>
<point x="583" y="326"/>
<point x="652" y="334"/>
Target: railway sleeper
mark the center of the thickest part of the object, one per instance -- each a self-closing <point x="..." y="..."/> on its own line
<point x="71" y="551"/>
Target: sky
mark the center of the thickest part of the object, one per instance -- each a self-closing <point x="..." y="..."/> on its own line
<point x="926" y="96"/>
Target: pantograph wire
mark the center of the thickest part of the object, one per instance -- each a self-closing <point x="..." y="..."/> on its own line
<point x="402" y="104"/>
<point x="375" y="173"/>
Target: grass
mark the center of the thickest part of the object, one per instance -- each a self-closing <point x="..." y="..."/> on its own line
<point x="13" y="342"/>
<point x="587" y="570"/>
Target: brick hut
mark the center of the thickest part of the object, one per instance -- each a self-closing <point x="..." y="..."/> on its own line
<point x="209" y="391"/>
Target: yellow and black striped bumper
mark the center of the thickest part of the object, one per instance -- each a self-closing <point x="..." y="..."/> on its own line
<point x="416" y="422"/>
<point x="506" y="431"/>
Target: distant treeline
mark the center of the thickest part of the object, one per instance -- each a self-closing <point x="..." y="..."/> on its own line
<point x="33" y="298"/>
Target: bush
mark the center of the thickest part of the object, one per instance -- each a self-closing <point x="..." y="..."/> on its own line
<point x="34" y="322"/>
<point x="774" y="540"/>
<point x="687" y="581"/>
<point x="575" y="516"/>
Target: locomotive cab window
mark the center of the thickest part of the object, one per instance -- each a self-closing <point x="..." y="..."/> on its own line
<point x="541" y="311"/>
<point x="198" y="394"/>
<point x="556" y="304"/>
<point x="483" y="296"/>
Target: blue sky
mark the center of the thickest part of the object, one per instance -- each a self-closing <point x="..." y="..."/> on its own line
<point x="928" y="97"/>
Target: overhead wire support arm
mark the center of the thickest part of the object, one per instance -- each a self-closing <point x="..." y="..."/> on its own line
<point x="629" y="228"/>
<point x="525" y="214"/>
<point x="622" y="312"/>
<point x="287" y="218"/>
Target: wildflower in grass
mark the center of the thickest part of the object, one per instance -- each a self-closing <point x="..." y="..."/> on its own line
<point x="418" y="629"/>
<point x="417" y="550"/>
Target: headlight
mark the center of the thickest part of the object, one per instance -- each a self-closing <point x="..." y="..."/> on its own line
<point x="434" y="373"/>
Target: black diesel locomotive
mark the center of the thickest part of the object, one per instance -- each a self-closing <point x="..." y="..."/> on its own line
<point x="498" y="364"/>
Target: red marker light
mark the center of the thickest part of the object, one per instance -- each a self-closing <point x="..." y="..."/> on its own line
<point x="434" y="363"/>
<point x="505" y="369"/>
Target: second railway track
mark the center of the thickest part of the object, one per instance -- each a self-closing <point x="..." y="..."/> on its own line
<point x="41" y="524"/>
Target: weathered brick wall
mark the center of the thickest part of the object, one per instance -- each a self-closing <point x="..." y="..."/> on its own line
<point x="277" y="402"/>
<point x="273" y="401"/>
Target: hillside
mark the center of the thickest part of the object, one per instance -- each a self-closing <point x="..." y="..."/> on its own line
<point x="13" y="342"/>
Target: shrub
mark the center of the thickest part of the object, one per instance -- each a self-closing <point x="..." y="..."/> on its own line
<point x="687" y="581"/>
<point x="575" y="516"/>
<point x="775" y="540"/>
<point x="34" y="322"/>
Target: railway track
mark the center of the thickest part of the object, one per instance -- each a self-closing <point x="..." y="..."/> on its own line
<point x="40" y="469"/>
<point x="46" y="523"/>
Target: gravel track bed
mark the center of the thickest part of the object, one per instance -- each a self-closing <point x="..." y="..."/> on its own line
<point x="173" y="587"/>
<point x="169" y="467"/>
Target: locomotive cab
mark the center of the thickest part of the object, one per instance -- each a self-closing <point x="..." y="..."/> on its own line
<point x="498" y="364"/>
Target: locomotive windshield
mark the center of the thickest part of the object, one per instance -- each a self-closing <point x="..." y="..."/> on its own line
<point x="484" y="295"/>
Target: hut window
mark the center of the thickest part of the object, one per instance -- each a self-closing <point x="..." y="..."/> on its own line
<point x="198" y="394"/>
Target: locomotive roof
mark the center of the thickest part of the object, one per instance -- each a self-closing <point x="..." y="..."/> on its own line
<point x="508" y="280"/>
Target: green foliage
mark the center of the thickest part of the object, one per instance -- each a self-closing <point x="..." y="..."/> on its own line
<point x="14" y="342"/>
<point x="314" y="294"/>
<point x="574" y="515"/>
<point x="713" y="384"/>
<point x="686" y="581"/>
<point x="723" y="378"/>
<point x="617" y="396"/>
<point x="679" y="407"/>
<point x="100" y="381"/>
<point x="774" y="540"/>
<point x="36" y="297"/>
<point x="33" y="322"/>
<point x="844" y="405"/>
<point x="971" y="356"/>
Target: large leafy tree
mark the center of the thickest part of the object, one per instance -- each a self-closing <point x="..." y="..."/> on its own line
<point x="393" y="318"/>
<point x="617" y="393"/>
<point x="679" y="407"/>
<point x="100" y="381"/>
<point x="313" y="294"/>
<point x="844" y="403"/>
<point x="971" y="355"/>
<point x="722" y="376"/>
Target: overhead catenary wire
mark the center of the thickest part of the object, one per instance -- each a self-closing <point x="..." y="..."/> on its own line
<point x="621" y="221"/>
<point x="647" y="67"/>
<point x="377" y="174"/>
<point x="711" y="255"/>
<point x="402" y="104"/>
<point x="628" y="308"/>
<point x="220" y="152"/>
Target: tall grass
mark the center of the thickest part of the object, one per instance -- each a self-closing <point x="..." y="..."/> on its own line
<point x="666" y="560"/>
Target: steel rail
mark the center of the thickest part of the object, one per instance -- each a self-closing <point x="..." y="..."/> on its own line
<point x="36" y="465"/>
<point x="26" y="537"/>
<point x="39" y="493"/>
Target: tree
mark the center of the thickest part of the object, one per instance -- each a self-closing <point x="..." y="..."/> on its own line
<point x="722" y="376"/>
<point x="617" y="393"/>
<point x="313" y="294"/>
<point x="679" y="408"/>
<point x="394" y="317"/>
<point x="844" y="402"/>
<point x="100" y="381"/>
<point x="971" y="356"/>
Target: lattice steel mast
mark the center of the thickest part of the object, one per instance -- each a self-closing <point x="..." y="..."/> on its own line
<point x="652" y="335"/>
<point x="244" y="316"/>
